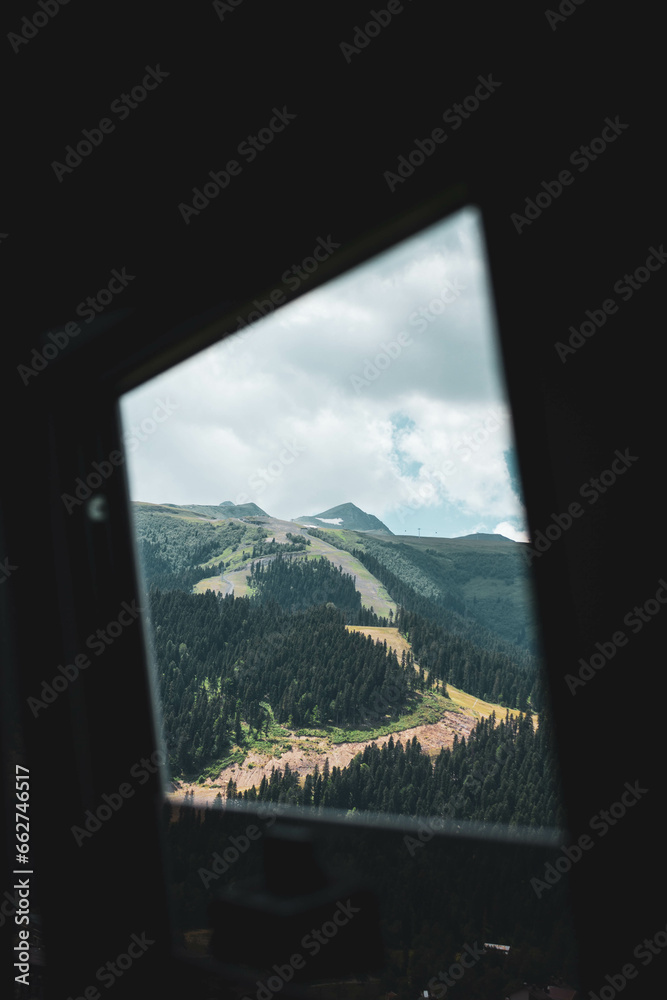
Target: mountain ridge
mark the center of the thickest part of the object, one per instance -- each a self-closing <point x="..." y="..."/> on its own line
<point x="485" y="535"/>
<point x="224" y="510"/>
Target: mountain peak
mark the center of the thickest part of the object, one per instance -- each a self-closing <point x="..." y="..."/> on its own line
<point x="345" y="515"/>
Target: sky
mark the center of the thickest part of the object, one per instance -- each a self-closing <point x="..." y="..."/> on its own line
<point x="382" y="388"/>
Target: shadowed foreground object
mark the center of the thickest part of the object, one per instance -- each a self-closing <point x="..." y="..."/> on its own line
<point x="295" y="920"/>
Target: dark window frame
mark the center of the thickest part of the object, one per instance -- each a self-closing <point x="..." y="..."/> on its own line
<point x="77" y="415"/>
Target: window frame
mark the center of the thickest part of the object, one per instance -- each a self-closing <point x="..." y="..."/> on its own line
<point x="96" y="570"/>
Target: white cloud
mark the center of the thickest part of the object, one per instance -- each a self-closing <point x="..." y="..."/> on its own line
<point x="273" y="414"/>
<point x="509" y="531"/>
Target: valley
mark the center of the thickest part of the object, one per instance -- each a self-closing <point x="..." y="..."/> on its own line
<point x="286" y="651"/>
<point x="346" y="671"/>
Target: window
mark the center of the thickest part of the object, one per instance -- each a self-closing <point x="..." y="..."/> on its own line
<point x="329" y="523"/>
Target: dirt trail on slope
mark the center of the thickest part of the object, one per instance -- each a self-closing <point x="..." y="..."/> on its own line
<point x="373" y="594"/>
<point x="308" y="751"/>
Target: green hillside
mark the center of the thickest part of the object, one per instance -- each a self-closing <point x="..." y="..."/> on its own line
<point x="480" y="579"/>
<point x="224" y="510"/>
<point x="178" y="547"/>
<point x="365" y="673"/>
<point x="458" y="603"/>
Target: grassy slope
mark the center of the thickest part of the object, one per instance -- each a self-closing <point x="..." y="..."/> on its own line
<point x="459" y="699"/>
<point x="373" y="594"/>
<point x="426" y="710"/>
<point x="236" y="556"/>
<point x="496" y="602"/>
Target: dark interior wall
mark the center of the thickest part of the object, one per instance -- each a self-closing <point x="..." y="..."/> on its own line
<point x="220" y="75"/>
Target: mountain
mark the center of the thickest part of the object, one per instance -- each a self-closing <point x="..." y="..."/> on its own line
<point x="481" y="579"/>
<point x="346" y="515"/>
<point x="224" y="510"/>
<point x="261" y="623"/>
<point x="485" y="535"/>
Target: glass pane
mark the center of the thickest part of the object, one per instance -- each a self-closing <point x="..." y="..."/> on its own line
<point x="329" y="521"/>
<point x="330" y="528"/>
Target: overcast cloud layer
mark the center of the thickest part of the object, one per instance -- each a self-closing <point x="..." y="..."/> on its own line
<point x="381" y="388"/>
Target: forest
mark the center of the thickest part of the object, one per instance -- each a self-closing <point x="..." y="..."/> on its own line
<point x="472" y="587"/>
<point x="231" y="669"/>
<point x="453" y="648"/>
<point x="487" y="671"/>
<point x="284" y="655"/>
<point x="500" y="776"/>
<point x="172" y="547"/>
<point x="224" y="660"/>
<point x="296" y="543"/>
<point x="298" y="585"/>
